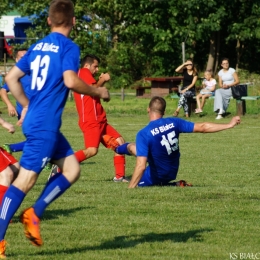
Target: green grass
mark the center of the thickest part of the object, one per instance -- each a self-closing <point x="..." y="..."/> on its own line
<point x="99" y="219"/>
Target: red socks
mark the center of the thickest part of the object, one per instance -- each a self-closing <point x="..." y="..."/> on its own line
<point x="3" y="189"/>
<point x="119" y="164"/>
<point x="80" y="156"/>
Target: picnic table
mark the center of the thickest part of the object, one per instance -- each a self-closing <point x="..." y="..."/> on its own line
<point x="163" y="86"/>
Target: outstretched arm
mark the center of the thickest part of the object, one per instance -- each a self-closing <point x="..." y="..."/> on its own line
<point x="212" y="127"/>
<point x="138" y="171"/>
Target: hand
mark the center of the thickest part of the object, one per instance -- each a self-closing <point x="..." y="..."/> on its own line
<point x="104" y="94"/>
<point x="9" y="127"/>
<point x="235" y="121"/>
<point x="20" y="121"/>
<point x="105" y="76"/>
<point x="12" y="111"/>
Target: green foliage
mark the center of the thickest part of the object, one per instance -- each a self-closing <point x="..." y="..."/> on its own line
<point x="135" y="39"/>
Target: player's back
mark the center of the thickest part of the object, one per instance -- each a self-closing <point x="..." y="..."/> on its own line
<point x="162" y="139"/>
<point x="46" y="61"/>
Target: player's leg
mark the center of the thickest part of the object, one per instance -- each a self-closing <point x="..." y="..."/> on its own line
<point x="92" y="136"/>
<point x="16" y="147"/>
<point x="119" y="160"/>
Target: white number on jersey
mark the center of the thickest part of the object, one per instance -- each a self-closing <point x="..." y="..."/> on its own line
<point x="171" y="143"/>
<point x="41" y="65"/>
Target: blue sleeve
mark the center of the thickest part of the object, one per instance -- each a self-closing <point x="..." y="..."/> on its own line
<point x="23" y="64"/>
<point x="142" y="147"/>
<point x="184" y="126"/>
<point x="5" y="87"/>
<point x="71" y="58"/>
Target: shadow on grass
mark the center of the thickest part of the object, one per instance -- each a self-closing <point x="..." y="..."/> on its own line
<point x="54" y="214"/>
<point x="121" y="242"/>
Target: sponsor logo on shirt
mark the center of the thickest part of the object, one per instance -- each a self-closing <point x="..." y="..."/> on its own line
<point x="161" y="129"/>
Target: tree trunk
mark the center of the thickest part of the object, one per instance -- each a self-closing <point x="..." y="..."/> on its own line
<point x="212" y="53"/>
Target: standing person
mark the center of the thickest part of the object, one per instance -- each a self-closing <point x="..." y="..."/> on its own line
<point x="53" y="63"/>
<point x="9" y="166"/>
<point x="209" y="85"/>
<point x="93" y="120"/>
<point x="158" y="144"/>
<point x="190" y="76"/>
<point x="227" y="77"/>
<point x="12" y="111"/>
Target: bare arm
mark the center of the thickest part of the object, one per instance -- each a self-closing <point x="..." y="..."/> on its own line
<point x="212" y="127"/>
<point x="73" y="82"/>
<point x="191" y="85"/>
<point x="103" y="78"/>
<point x="7" y="125"/>
<point x="138" y="171"/>
<point x="11" y="109"/>
<point x="180" y="68"/>
<point x="236" y="81"/>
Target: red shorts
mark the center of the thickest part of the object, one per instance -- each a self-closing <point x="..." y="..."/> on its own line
<point x="93" y="133"/>
<point x="6" y="159"/>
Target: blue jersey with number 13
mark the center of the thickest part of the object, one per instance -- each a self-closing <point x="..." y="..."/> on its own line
<point x="46" y="61"/>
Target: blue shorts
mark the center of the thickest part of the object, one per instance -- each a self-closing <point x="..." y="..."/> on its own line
<point x="149" y="179"/>
<point x="41" y="147"/>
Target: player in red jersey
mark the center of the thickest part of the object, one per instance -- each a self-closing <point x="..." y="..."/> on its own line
<point x="9" y="166"/>
<point x="93" y="120"/>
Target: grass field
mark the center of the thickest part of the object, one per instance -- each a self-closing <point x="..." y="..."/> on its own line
<point x="217" y="218"/>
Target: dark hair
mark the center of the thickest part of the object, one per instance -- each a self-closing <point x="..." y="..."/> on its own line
<point x="224" y="59"/>
<point x="61" y="13"/>
<point x="89" y="58"/>
<point x="195" y="72"/>
<point x="157" y="104"/>
<point x="21" y="49"/>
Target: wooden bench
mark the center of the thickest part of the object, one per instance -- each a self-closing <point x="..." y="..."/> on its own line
<point x="140" y="90"/>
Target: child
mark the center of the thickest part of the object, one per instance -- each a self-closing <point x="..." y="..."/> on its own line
<point x="209" y="85"/>
<point x="8" y="164"/>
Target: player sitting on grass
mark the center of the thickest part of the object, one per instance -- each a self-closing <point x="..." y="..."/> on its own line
<point x="158" y="144"/>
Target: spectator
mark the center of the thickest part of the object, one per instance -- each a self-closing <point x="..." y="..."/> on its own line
<point x="190" y="77"/>
<point x="227" y="77"/>
<point x="209" y="85"/>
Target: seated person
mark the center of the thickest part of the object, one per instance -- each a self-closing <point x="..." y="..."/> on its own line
<point x="209" y="86"/>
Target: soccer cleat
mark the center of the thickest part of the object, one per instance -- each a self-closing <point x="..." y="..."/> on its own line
<point x="7" y="148"/>
<point x="183" y="183"/>
<point x="2" y="249"/>
<point x="122" y="179"/>
<point x="110" y="142"/>
<point x="31" y="226"/>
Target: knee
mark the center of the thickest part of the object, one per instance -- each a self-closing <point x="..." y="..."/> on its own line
<point x="120" y="140"/>
<point x="91" y="151"/>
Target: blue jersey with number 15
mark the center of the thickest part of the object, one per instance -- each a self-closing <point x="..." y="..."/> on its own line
<point x="46" y="61"/>
<point x="159" y="142"/>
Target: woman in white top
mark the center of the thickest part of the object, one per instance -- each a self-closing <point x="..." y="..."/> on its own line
<point x="227" y="78"/>
<point x="209" y="85"/>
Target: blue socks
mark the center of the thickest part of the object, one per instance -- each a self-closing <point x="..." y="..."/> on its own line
<point x="11" y="202"/>
<point x="18" y="147"/>
<point x="122" y="149"/>
<point x="56" y="186"/>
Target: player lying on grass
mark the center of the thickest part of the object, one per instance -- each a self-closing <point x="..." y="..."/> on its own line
<point x="158" y="145"/>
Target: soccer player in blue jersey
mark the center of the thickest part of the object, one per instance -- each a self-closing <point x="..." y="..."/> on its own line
<point x="158" y="144"/>
<point x="53" y="64"/>
<point x="12" y="111"/>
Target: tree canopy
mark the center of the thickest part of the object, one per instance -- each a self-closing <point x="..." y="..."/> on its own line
<point x="142" y="38"/>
